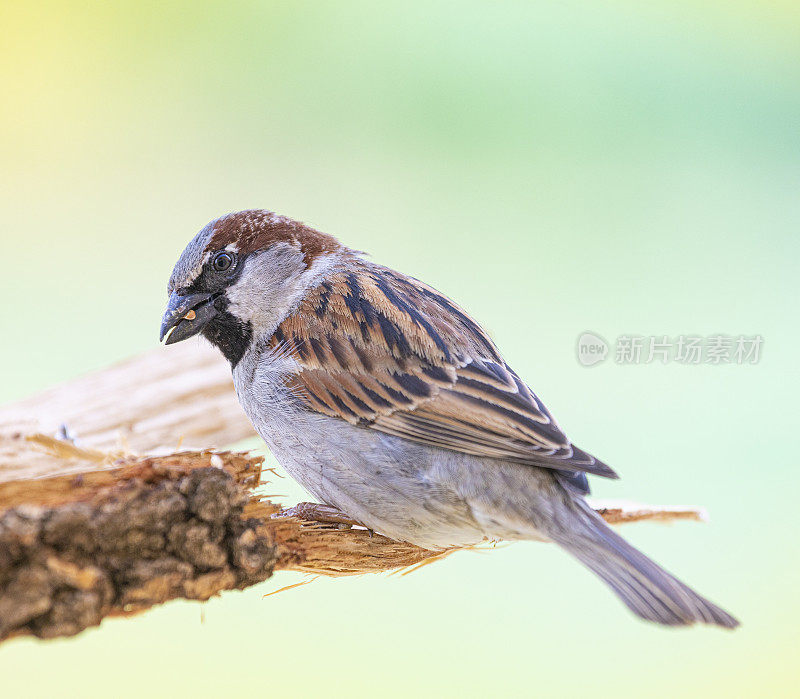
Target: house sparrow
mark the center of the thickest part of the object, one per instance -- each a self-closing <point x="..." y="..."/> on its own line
<point x="387" y="401"/>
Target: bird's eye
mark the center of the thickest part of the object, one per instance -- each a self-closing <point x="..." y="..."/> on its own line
<point x="223" y="261"/>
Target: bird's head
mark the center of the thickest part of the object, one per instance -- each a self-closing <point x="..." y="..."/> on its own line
<point x="242" y="275"/>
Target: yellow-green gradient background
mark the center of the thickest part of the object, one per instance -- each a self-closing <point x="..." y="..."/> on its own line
<point x="619" y="167"/>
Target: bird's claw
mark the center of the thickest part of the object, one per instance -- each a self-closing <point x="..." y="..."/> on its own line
<point x="316" y="512"/>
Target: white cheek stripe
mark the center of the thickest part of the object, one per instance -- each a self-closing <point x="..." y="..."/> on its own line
<point x="320" y="268"/>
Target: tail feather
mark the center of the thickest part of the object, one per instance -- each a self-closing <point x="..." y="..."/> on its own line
<point x="647" y="589"/>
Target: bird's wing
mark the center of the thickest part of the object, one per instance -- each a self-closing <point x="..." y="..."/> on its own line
<point x="387" y="352"/>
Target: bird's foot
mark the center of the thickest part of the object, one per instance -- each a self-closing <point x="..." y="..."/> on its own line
<point x="317" y="512"/>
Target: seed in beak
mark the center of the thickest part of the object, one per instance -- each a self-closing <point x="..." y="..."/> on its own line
<point x="191" y="315"/>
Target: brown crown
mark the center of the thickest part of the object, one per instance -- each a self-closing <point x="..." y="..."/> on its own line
<point x="258" y="229"/>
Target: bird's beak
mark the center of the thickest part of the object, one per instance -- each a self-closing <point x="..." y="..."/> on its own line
<point x="186" y="316"/>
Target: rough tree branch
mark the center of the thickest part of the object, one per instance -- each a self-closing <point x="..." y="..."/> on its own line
<point x="124" y="518"/>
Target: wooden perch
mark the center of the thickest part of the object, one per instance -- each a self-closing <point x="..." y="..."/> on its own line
<point x="98" y="528"/>
<point x="179" y="394"/>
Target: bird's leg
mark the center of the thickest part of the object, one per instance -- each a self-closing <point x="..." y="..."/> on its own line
<point x="317" y="512"/>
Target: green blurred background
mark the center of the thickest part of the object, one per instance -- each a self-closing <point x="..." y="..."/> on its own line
<point x="556" y="168"/>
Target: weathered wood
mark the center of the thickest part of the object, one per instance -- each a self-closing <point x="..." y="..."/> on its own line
<point x="171" y="397"/>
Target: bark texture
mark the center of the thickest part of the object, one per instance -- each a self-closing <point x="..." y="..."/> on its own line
<point x="74" y="549"/>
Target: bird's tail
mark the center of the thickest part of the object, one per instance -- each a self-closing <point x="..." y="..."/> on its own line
<point x="647" y="589"/>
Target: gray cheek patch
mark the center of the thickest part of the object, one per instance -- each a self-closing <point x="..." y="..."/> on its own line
<point x="190" y="264"/>
<point x="265" y="288"/>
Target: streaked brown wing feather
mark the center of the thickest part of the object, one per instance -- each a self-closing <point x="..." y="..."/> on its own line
<point x="387" y="352"/>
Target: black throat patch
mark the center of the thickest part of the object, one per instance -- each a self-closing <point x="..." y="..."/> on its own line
<point x="227" y="332"/>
